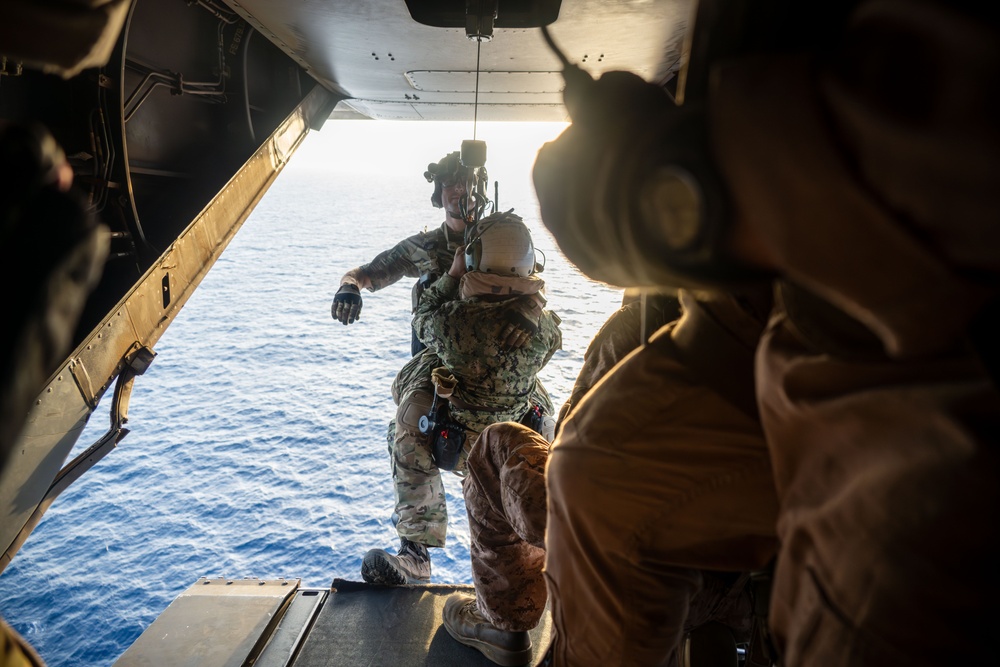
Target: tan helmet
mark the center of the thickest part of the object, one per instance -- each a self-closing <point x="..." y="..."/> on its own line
<point x="500" y="244"/>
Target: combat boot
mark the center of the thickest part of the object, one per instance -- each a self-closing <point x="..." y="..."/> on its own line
<point x="466" y="625"/>
<point x="411" y="565"/>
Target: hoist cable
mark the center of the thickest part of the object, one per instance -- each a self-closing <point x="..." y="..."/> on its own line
<point x="475" y="106"/>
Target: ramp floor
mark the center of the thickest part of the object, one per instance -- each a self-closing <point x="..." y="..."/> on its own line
<point x="397" y="626"/>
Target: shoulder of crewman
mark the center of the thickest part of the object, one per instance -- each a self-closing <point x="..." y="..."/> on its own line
<point x="429" y="239"/>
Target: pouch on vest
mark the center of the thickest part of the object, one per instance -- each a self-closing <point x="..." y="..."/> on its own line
<point x="534" y="418"/>
<point x="540" y="422"/>
<point x="447" y="437"/>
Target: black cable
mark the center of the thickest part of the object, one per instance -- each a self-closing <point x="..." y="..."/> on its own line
<point x="555" y="49"/>
<point x="475" y="107"/>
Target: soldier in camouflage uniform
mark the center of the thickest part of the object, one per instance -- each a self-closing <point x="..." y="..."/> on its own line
<point x="465" y="320"/>
<point x="424" y="255"/>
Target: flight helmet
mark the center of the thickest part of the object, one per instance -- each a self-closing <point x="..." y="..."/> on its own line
<point x="500" y="244"/>
<point x="448" y="168"/>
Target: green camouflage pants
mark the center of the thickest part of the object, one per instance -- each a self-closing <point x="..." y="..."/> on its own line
<point x="421" y="513"/>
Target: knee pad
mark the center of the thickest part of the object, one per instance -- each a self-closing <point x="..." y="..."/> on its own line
<point x="411" y="409"/>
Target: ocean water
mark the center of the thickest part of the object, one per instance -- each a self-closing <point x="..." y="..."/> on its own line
<point x="258" y="434"/>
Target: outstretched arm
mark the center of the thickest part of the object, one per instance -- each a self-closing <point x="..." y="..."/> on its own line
<point x="387" y="267"/>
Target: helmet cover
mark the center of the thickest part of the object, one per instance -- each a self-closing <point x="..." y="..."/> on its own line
<point x="501" y="244"/>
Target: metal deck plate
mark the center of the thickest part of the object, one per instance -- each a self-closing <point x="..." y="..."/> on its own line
<point x="215" y="622"/>
<point x="362" y="624"/>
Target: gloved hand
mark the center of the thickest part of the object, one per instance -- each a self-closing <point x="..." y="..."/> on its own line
<point x="346" y="306"/>
<point x="457" y="269"/>
<point x="517" y="330"/>
<point x="629" y="190"/>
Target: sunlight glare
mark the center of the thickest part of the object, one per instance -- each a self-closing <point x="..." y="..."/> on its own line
<point x="391" y="148"/>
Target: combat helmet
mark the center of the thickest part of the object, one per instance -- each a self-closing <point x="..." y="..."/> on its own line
<point x="500" y="244"/>
<point x="447" y="168"/>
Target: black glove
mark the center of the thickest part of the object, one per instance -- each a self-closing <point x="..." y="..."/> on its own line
<point x="630" y="191"/>
<point x="346" y="306"/>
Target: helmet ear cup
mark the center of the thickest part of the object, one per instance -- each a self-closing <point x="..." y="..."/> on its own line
<point x="436" y="195"/>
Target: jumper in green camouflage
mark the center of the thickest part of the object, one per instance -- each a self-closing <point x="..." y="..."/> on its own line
<point x="421" y="513"/>
<point x="465" y="334"/>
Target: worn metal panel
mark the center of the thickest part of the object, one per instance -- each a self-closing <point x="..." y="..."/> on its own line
<point x="491" y="112"/>
<point x="362" y="624"/>
<point x="214" y="623"/>
<point x="364" y="49"/>
<point x="464" y="81"/>
<point x="292" y="629"/>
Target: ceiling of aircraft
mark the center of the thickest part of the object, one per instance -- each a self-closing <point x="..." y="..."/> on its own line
<point x="421" y="65"/>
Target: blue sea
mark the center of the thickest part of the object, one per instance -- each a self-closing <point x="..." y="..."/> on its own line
<point x="257" y="444"/>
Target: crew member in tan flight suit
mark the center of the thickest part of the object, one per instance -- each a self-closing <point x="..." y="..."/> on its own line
<point x="827" y="163"/>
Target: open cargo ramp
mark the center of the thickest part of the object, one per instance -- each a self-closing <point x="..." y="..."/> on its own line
<point x="276" y="623"/>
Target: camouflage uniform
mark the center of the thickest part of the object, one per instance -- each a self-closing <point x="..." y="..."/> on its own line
<point x="494" y="386"/>
<point x="421" y="254"/>
<point x="505" y="497"/>
<point x="427" y="253"/>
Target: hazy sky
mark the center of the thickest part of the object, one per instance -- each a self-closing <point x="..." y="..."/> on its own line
<point x="405" y="147"/>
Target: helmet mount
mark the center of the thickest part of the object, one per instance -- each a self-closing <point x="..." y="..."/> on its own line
<point x="469" y="167"/>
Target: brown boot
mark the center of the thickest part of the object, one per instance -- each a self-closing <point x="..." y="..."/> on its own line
<point x="463" y="621"/>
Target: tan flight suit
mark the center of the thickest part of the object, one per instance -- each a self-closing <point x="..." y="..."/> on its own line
<point x="861" y="185"/>
<point x="655" y="477"/>
<point x="880" y="196"/>
<point x="14" y="651"/>
<point x="621" y="333"/>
